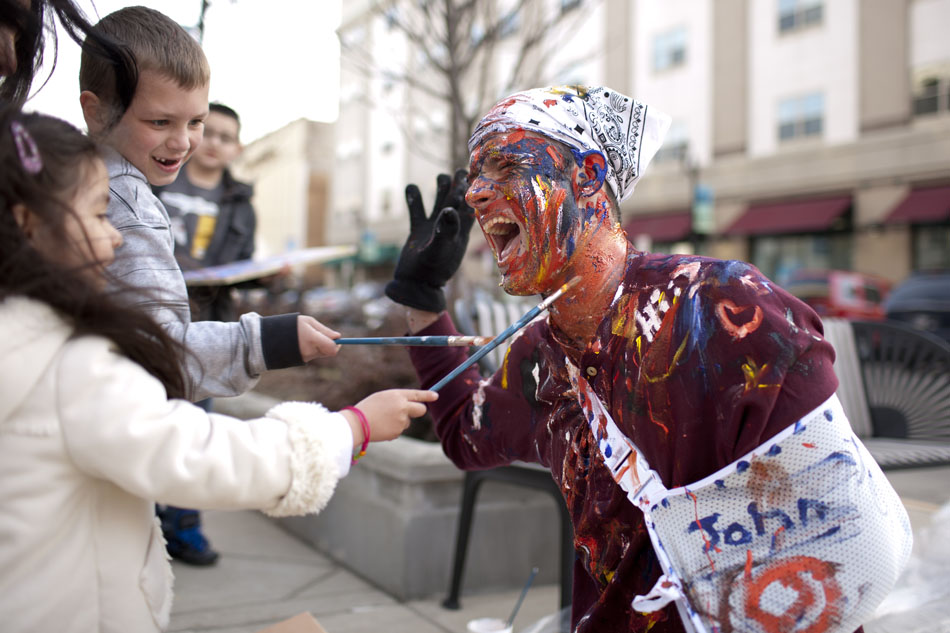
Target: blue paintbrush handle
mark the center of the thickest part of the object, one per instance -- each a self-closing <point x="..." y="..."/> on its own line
<point x="434" y="341"/>
<point x="501" y="338"/>
<point x="478" y="355"/>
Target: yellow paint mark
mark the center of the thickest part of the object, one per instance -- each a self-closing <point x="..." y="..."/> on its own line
<point x="753" y="375"/>
<point x="619" y="324"/>
<point x="673" y="363"/>
<point x="504" y="370"/>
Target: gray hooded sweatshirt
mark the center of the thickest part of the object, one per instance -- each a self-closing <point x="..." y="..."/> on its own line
<point x="225" y="359"/>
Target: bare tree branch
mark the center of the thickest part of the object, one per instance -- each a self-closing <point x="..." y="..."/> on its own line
<point x="455" y="48"/>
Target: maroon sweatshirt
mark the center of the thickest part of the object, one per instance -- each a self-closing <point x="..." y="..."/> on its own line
<point x="698" y="361"/>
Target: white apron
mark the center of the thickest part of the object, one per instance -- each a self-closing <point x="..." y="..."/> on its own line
<point x="804" y="534"/>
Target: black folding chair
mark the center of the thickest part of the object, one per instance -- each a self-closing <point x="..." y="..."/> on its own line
<point x="906" y="376"/>
<point x="487" y="318"/>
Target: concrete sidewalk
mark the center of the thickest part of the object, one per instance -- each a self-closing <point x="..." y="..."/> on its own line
<point x="266" y="575"/>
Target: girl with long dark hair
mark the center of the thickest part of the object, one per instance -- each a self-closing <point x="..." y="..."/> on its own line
<point x="91" y="435"/>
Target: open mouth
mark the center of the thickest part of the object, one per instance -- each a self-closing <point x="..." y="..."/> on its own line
<point x="504" y="236"/>
<point x="167" y="163"/>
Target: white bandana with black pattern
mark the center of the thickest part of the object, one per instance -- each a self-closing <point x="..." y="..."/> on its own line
<point x="627" y="132"/>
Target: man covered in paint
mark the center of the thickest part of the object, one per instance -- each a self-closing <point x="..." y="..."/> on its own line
<point x="697" y="360"/>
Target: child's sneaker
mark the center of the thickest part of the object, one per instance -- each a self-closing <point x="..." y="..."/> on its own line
<point x="183" y="537"/>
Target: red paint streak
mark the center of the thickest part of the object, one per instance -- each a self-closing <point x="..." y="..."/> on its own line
<point x="777" y="537"/>
<point x="790" y="573"/>
<point x="748" y="564"/>
<point x="554" y="156"/>
<point x="809" y="445"/>
<point x="515" y="136"/>
<point x="550" y="102"/>
<point x="702" y="532"/>
<point x="666" y="430"/>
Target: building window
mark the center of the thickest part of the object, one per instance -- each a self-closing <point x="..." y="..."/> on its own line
<point x="675" y="146"/>
<point x="801" y="117"/>
<point x="931" y="95"/>
<point x="931" y="249"/>
<point x="778" y="256"/>
<point x="799" y="14"/>
<point x="669" y="49"/>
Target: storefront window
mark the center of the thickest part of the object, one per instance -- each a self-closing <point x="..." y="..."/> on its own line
<point x="931" y="247"/>
<point x="778" y="256"/>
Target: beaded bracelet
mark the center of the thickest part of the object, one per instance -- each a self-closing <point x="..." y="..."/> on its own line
<point x="365" y="424"/>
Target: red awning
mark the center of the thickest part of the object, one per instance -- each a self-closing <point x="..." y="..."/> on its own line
<point x="922" y="205"/>
<point x="798" y="216"/>
<point x="661" y="227"/>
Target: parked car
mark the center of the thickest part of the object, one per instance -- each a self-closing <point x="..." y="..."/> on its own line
<point x="923" y="301"/>
<point x="840" y="293"/>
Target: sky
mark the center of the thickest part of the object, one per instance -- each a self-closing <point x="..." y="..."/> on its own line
<point x="271" y="65"/>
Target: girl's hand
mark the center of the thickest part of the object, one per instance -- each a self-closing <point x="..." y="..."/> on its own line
<point x="315" y="339"/>
<point x="388" y="413"/>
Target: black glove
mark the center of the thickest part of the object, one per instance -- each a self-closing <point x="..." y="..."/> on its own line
<point x="436" y="244"/>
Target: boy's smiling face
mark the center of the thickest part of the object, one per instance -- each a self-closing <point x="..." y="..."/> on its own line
<point x="162" y="127"/>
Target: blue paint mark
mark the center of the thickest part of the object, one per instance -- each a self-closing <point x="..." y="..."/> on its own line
<point x="570" y="245"/>
<point x="666" y="502"/>
<point x="774" y="450"/>
<point x="736" y="534"/>
<point x="608" y="451"/>
<point x="653" y="509"/>
<point x="759" y="518"/>
<point x="799" y="427"/>
<point x="839" y="458"/>
<point x="828" y="415"/>
<point x="830" y="532"/>
<point x="742" y="466"/>
<point x="730" y="269"/>
<point x="720" y="483"/>
<point x="820" y="509"/>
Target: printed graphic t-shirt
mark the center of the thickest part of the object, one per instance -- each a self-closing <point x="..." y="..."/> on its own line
<point x="193" y="212"/>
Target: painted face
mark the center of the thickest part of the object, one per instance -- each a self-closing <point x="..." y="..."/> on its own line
<point x="93" y="238"/>
<point x="523" y="193"/>
<point x="161" y="128"/>
<point x="220" y="144"/>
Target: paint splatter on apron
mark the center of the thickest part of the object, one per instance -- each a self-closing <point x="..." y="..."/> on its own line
<point x="802" y="534"/>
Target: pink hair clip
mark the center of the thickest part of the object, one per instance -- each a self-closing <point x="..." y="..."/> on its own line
<point x="26" y="148"/>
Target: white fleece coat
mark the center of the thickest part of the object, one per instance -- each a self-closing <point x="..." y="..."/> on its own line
<point x="89" y="442"/>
